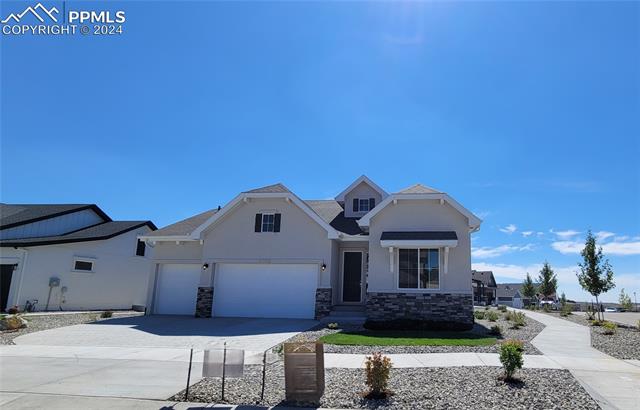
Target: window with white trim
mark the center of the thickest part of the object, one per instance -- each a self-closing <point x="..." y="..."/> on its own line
<point x="83" y="265"/>
<point x="268" y="221"/>
<point x="418" y="268"/>
<point x="363" y="205"/>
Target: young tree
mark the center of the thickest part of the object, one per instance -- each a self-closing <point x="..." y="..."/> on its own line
<point x="563" y="299"/>
<point x="596" y="276"/>
<point x="548" y="281"/>
<point x="625" y="300"/>
<point x="529" y="288"/>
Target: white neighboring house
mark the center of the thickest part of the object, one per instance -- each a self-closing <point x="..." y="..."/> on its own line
<point x="71" y="257"/>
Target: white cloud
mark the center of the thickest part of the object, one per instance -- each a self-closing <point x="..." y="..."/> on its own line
<point x="620" y="248"/>
<point x="568" y="234"/>
<point x="489" y="252"/>
<point x="511" y="228"/>
<point x="527" y="233"/>
<point x="540" y="234"/>
<point x="602" y="235"/>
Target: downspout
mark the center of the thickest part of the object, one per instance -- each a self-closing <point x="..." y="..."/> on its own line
<point x="23" y="266"/>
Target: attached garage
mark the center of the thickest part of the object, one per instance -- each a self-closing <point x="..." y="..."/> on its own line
<point x="265" y="290"/>
<point x="177" y="289"/>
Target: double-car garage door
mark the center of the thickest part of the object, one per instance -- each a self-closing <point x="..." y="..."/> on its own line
<point x="241" y="290"/>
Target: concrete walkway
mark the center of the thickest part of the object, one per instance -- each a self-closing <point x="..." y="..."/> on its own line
<point x="613" y="383"/>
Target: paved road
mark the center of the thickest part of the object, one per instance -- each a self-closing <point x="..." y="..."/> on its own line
<point x="614" y="383"/>
<point x="626" y="318"/>
<point x="172" y="331"/>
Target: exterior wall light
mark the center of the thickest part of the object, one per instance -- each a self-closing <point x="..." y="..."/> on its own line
<point x="323" y="267"/>
<point x="205" y="266"/>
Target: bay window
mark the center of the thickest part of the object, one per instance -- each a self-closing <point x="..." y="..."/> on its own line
<point x="418" y="268"/>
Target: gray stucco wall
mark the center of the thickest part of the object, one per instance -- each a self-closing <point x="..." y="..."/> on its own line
<point x="362" y="190"/>
<point x="420" y="215"/>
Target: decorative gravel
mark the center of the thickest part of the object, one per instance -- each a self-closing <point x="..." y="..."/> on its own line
<point x="44" y="322"/>
<point x="624" y="344"/>
<point x="414" y="388"/>
<point x="525" y="333"/>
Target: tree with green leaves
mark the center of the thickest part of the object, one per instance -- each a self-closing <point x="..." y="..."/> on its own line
<point x="529" y="288"/>
<point x="625" y="300"/>
<point x="596" y="275"/>
<point x="548" y="281"/>
<point x="563" y="299"/>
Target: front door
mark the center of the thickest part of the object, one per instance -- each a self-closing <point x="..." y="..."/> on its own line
<point x="352" y="277"/>
<point x="6" y="272"/>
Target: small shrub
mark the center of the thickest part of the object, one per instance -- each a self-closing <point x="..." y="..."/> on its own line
<point x="479" y="314"/>
<point x="496" y="330"/>
<point x="13" y="310"/>
<point x="502" y="308"/>
<point x="106" y="314"/>
<point x="511" y="357"/>
<point x="377" y="368"/>
<point x="609" y="328"/>
<point x="508" y="315"/>
<point x="566" y="310"/>
<point x="546" y="307"/>
<point x="93" y="318"/>
<point x="492" y="316"/>
<point x="518" y="319"/>
<point x="597" y="322"/>
<point x="333" y="325"/>
<point x="486" y="307"/>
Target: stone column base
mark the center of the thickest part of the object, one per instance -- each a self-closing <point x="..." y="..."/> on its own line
<point x="323" y="303"/>
<point x="204" y="302"/>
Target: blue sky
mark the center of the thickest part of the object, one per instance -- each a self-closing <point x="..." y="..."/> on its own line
<point x="526" y="113"/>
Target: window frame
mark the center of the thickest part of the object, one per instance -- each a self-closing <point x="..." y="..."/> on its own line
<point x="360" y="206"/>
<point x="85" y="260"/>
<point x="273" y="222"/>
<point x="419" y="249"/>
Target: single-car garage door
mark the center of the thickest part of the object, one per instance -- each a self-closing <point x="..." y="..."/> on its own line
<point x="176" y="289"/>
<point x="265" y="290"/>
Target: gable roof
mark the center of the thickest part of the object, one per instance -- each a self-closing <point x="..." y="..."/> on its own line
<point x="473" y="221"/>
<point x="361" y="179"/>
<point x="486" y="277"/>
<point x="102" y="231"/>
<point x="270" y="189"/>
<point x="185" y="226"/>
<point x="12" y="215"/>
<point x="419" y="189"/>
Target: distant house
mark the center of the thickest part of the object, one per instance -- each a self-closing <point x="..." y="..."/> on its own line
<point x="510" y="294"/>
<point x="484" y="287"/>
<point x="71" y="257"/>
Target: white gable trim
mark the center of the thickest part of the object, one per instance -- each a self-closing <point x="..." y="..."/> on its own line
<point x="357" y="182"/>
<point x="474" y="221"/>
<point x="240" y="199"/>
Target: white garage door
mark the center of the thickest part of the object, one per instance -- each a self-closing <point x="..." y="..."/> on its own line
<point x="265" y="290"/>
<point x="176" y="289"/>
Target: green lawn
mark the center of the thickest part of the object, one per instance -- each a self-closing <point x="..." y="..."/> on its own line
<point x="408" y="338"/>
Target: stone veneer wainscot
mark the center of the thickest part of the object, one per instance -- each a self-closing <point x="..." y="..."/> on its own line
<point x="323" y="303"/>
<point x="204" y="302"/>
<point x="420" y="306"/>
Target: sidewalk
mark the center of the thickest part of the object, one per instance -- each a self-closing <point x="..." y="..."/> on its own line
<point x="613" y="383"/>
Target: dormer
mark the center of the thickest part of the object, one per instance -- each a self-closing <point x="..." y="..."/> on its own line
<point x="360" y="197"/>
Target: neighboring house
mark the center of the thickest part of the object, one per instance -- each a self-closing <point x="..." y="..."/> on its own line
<point x="484" y="287"/>
<point x="268" y="253"/>
<point x="71" y="257"/>
<point x="507" y="292"/>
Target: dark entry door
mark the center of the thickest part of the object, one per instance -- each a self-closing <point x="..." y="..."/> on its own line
<point x="352" y="277"/>
<point x="6" y="272"/>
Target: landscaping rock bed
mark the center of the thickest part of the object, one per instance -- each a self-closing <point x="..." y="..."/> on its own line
<point x="525" y="333"/>
<point x="36" y="323"/>
<point x="624" y="344"/>
<point x="414" y="388"/>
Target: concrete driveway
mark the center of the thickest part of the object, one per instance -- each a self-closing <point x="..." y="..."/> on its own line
<point x="173" y="332"/>
<point x="136" y="357"/>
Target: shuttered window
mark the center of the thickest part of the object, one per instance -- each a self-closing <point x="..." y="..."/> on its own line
<point x="267" y="222"/>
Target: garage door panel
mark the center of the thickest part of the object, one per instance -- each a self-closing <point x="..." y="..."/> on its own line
<point x="265" y="290"/>
<point x="177" y="289"/>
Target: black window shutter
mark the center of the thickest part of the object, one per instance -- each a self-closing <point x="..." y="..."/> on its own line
<point x="372" y="203"/>
<point x="276" y="223"/>
<point x="355" y="204"/>
<point x="258" y="222"/>
<point x="140" y="249"/>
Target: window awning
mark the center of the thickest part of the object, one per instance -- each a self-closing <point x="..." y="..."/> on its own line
<point x="419" y="238"/>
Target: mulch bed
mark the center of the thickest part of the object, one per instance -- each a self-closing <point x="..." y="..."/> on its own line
<point x="413" y="388"/>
